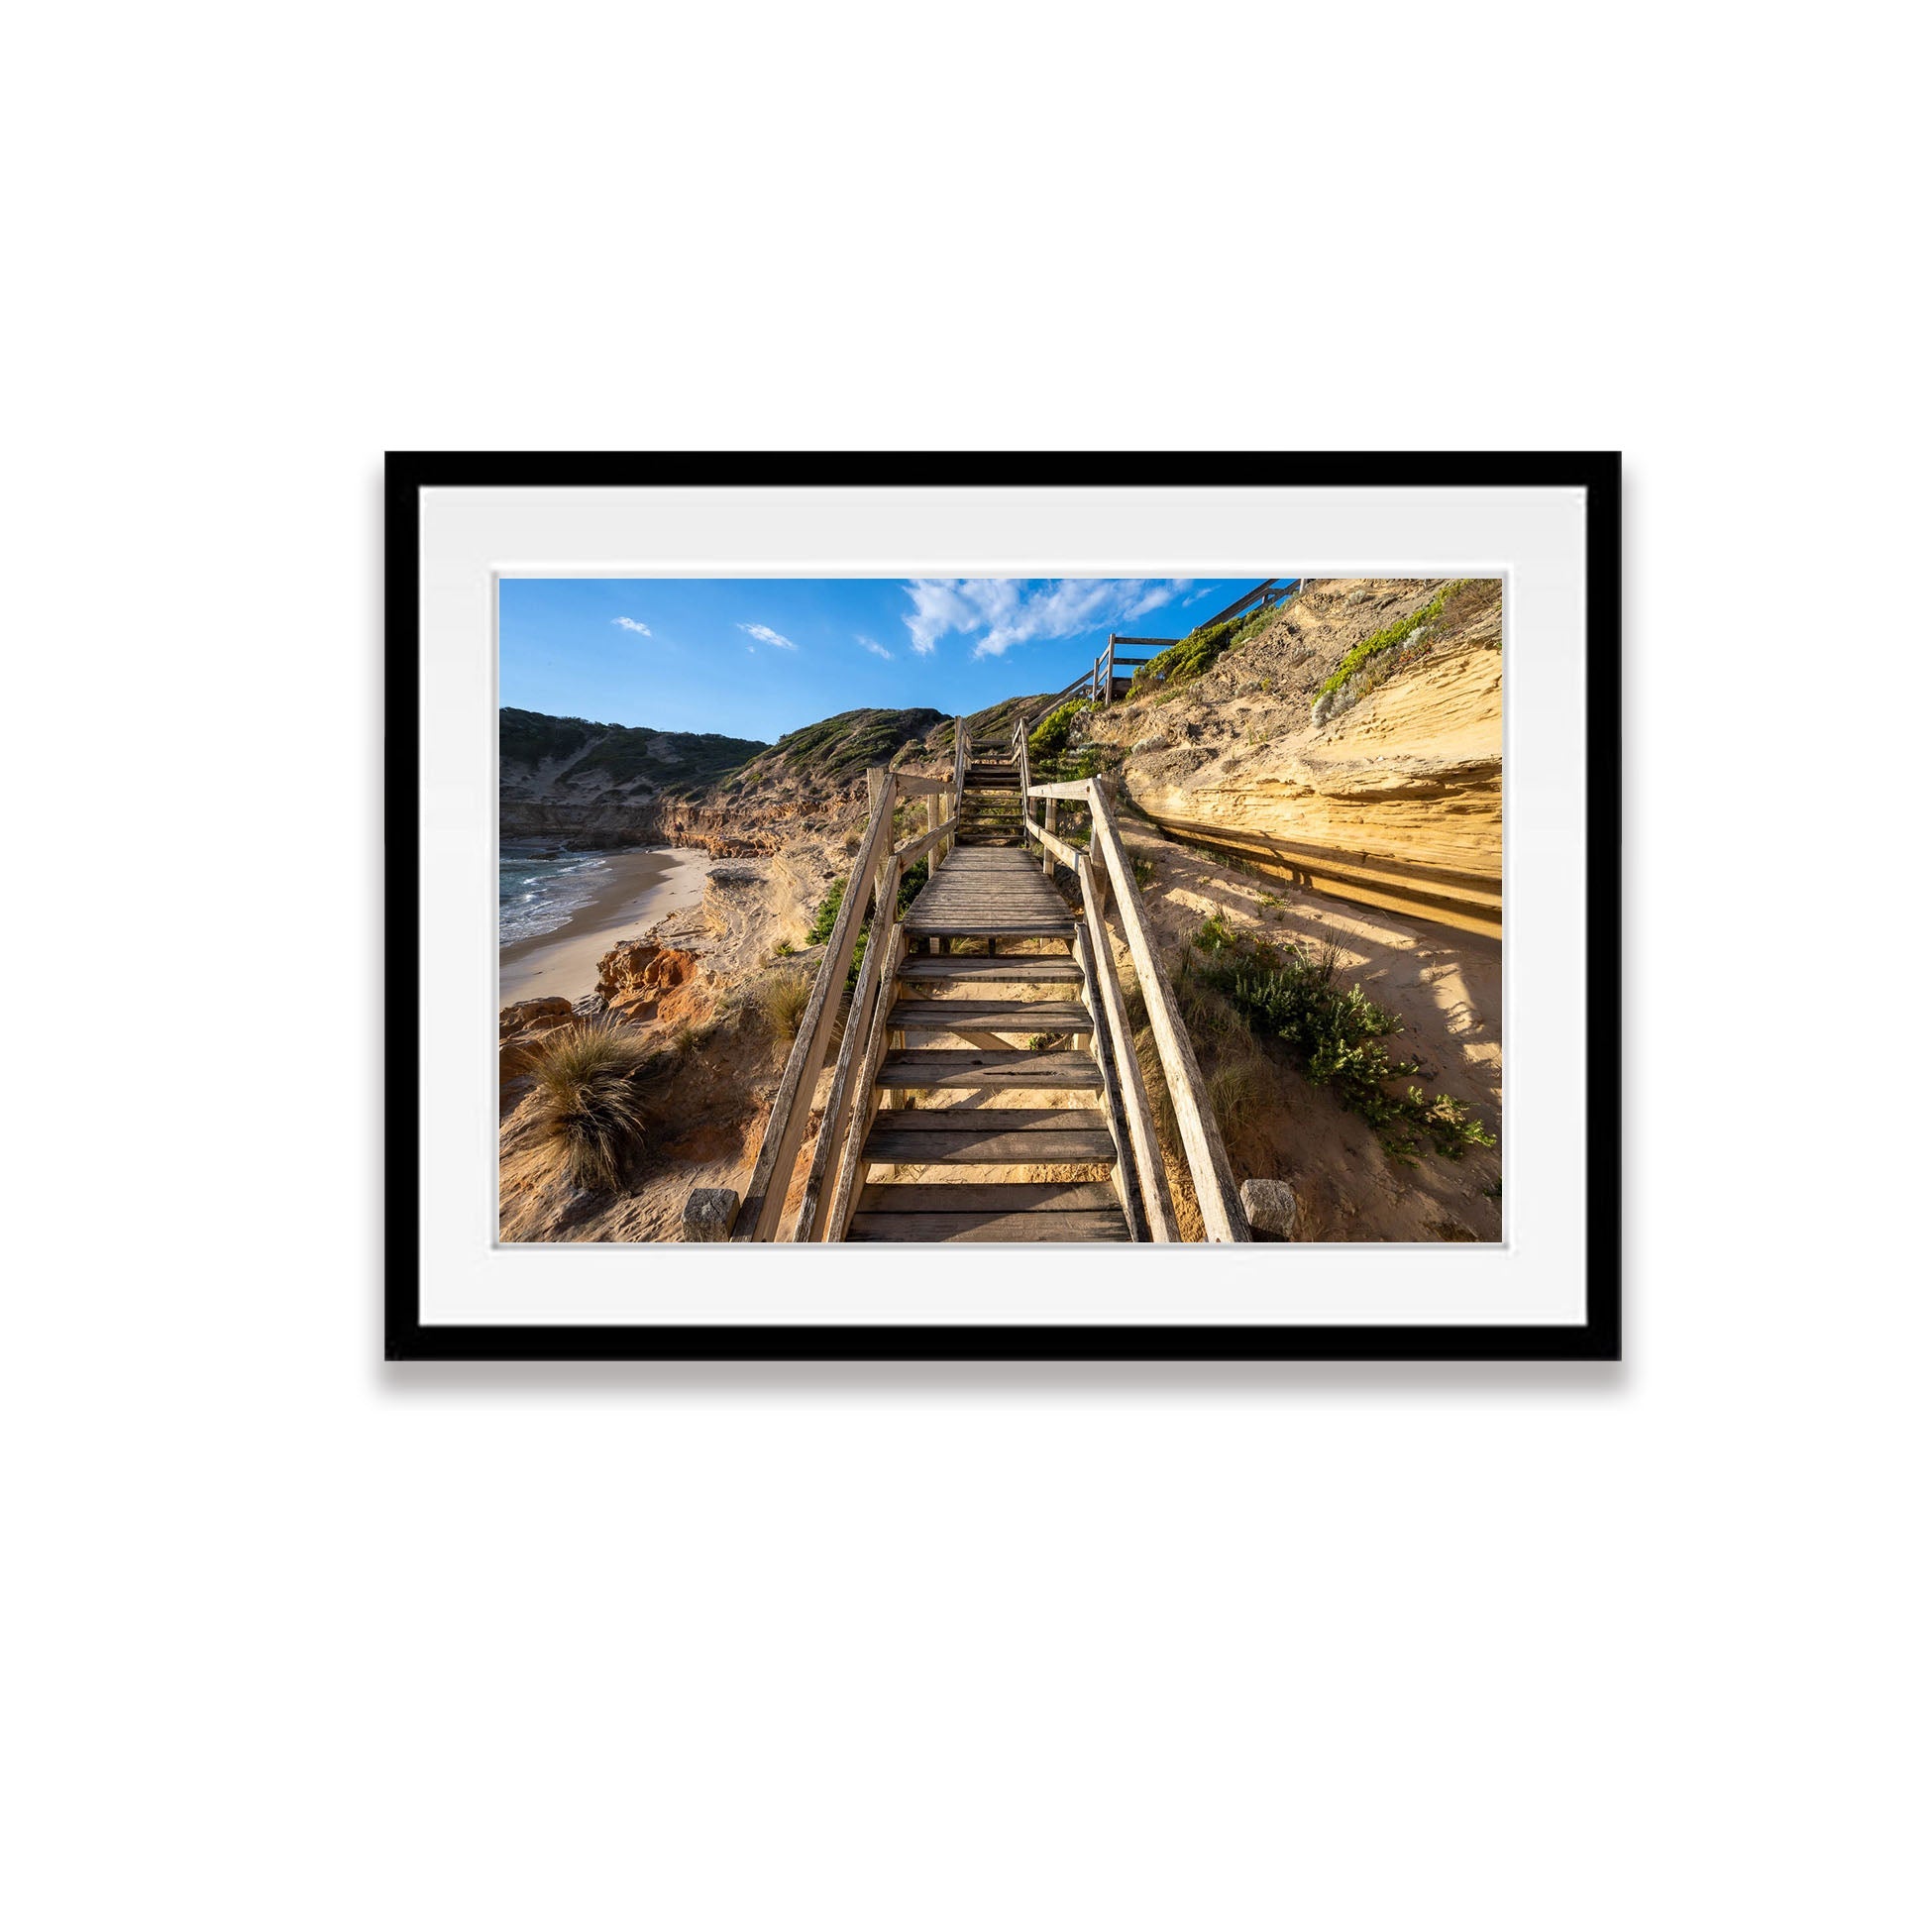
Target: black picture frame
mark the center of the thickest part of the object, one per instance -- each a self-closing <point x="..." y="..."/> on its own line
<point x="1598" y="1337"/>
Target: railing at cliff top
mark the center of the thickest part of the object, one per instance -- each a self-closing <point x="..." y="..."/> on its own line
<point x="1097" y="682"/>
<point x="874" y="879"/>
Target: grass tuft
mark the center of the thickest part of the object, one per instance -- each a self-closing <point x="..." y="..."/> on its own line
<point x="783" y="998"/>
<point x="590" y="1101"/>
<point x="1236" y="1091"/>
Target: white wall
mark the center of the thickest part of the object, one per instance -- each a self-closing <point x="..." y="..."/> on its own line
<point x="294" y="1640"/>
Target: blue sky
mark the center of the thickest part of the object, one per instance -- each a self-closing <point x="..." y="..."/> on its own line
<point x="757" y="657"/>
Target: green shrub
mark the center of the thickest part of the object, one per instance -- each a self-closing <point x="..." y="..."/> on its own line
<point x="826" y="916"/>
<point x="1196" y="653"/>
<point x="1336" y="1037"/>
<point x="1049" y="738"/>
<point x="1387" y="639"/>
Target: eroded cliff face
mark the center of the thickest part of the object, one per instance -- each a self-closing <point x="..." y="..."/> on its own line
<point x="1395" y="801"/>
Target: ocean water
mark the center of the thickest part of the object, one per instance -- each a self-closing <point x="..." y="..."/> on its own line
<point x="537" y="894"/>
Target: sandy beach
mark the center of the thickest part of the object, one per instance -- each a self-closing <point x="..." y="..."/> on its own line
<point x="637" y="890"/>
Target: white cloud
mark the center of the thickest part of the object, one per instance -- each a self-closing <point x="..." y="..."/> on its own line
<point x="764" y="634"/>
<point x="1009" y="614"/>
<point x="873" y="645"/>
<point x="1195" y="597"/>
<point x="631" y="623"/>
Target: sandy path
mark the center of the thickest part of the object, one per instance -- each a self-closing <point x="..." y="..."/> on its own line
<point x="637" y="889"/>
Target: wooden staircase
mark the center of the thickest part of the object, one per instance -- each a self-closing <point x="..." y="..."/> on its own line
<point x="986" y="1085"/>
<point x="968" y="1031"/>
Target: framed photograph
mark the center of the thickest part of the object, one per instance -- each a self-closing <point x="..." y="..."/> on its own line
<point x="1003" y="907"/>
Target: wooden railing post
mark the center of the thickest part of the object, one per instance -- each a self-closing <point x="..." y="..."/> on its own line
<point x="816" y="1201"/>
<point x="1206" y="1156"/>
<point x="1109" y="699"/>
<point x="777" y="1149"/>
<point x="865" y="1098"/>
<point x="1106" y="1001"/>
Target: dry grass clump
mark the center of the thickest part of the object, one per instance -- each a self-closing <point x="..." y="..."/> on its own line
<point x="1237" y="1091"/>
<point x="782" y="1000"/>
<point x="590" y="1106"/>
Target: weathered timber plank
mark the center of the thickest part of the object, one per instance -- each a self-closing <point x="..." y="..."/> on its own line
<point x="1068" y="855"/>
<point x="986" y="1197"/>
<point x="951" y="968"/>
<point x="999" y="1119"/>
<point x="1150" y="1168"/>
<point x="987" y="928"/>
<point x="832" y="1124"/>
<point x="1077" y="1227"/>
<point x="1111" y="1099"/>
<point x="1022" y="1072"/>
<point x="1039" y="1148"/>
<point x="909" y="855"/>
<point x="777" y="1148"/>
<point x="1207" y="1156"/>
<point x="865" y="1105"/>
<point x="993" y="1016"/>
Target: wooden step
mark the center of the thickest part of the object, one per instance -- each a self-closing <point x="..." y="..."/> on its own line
<point x="995" y="1214"/>
<point x="969" y="1196"/>
<point x="991" y="1017"/>
<point x="991" y="1137"/>
<point x="986" y="1069"/>
<point x="987" y="925"/>
<point x="948" y="968"/>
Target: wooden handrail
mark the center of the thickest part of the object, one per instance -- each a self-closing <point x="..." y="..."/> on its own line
<point x="811" y="1207"/>
<point x="1105" y="1059"/>
<point x="956" y="803"/>
<point x="909" y="855"/>
<point x="778" y="1151"/>
<point x="1105" y="986"/>
<point x="864" y="1106"/>
<point x="1068" y="855"/>
<point x="1201" y="1143"/>
<point x="1207" y="1156"/>
<point x="1084" y="682"/>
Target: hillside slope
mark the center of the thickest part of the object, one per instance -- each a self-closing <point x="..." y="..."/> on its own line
<point x="1374" y="772"/>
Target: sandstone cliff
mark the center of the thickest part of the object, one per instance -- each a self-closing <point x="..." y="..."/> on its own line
<point x="1386" y="788"/>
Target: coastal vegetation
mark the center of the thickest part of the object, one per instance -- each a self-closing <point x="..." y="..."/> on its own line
<point x="590" y="1101"/>
<point x="826" y="916"/>
<point x="678" y="762"/>
<point x="838" y="749"/>
<point x="533" y="738"/>
<point x="674" y="761"/>
<point x="1049" y="737"/>
<point x="783" y="998"/>
<point x="1194" y="655"/>
<point x="1292" y="995"/>
<point x="1376" y="659"/>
